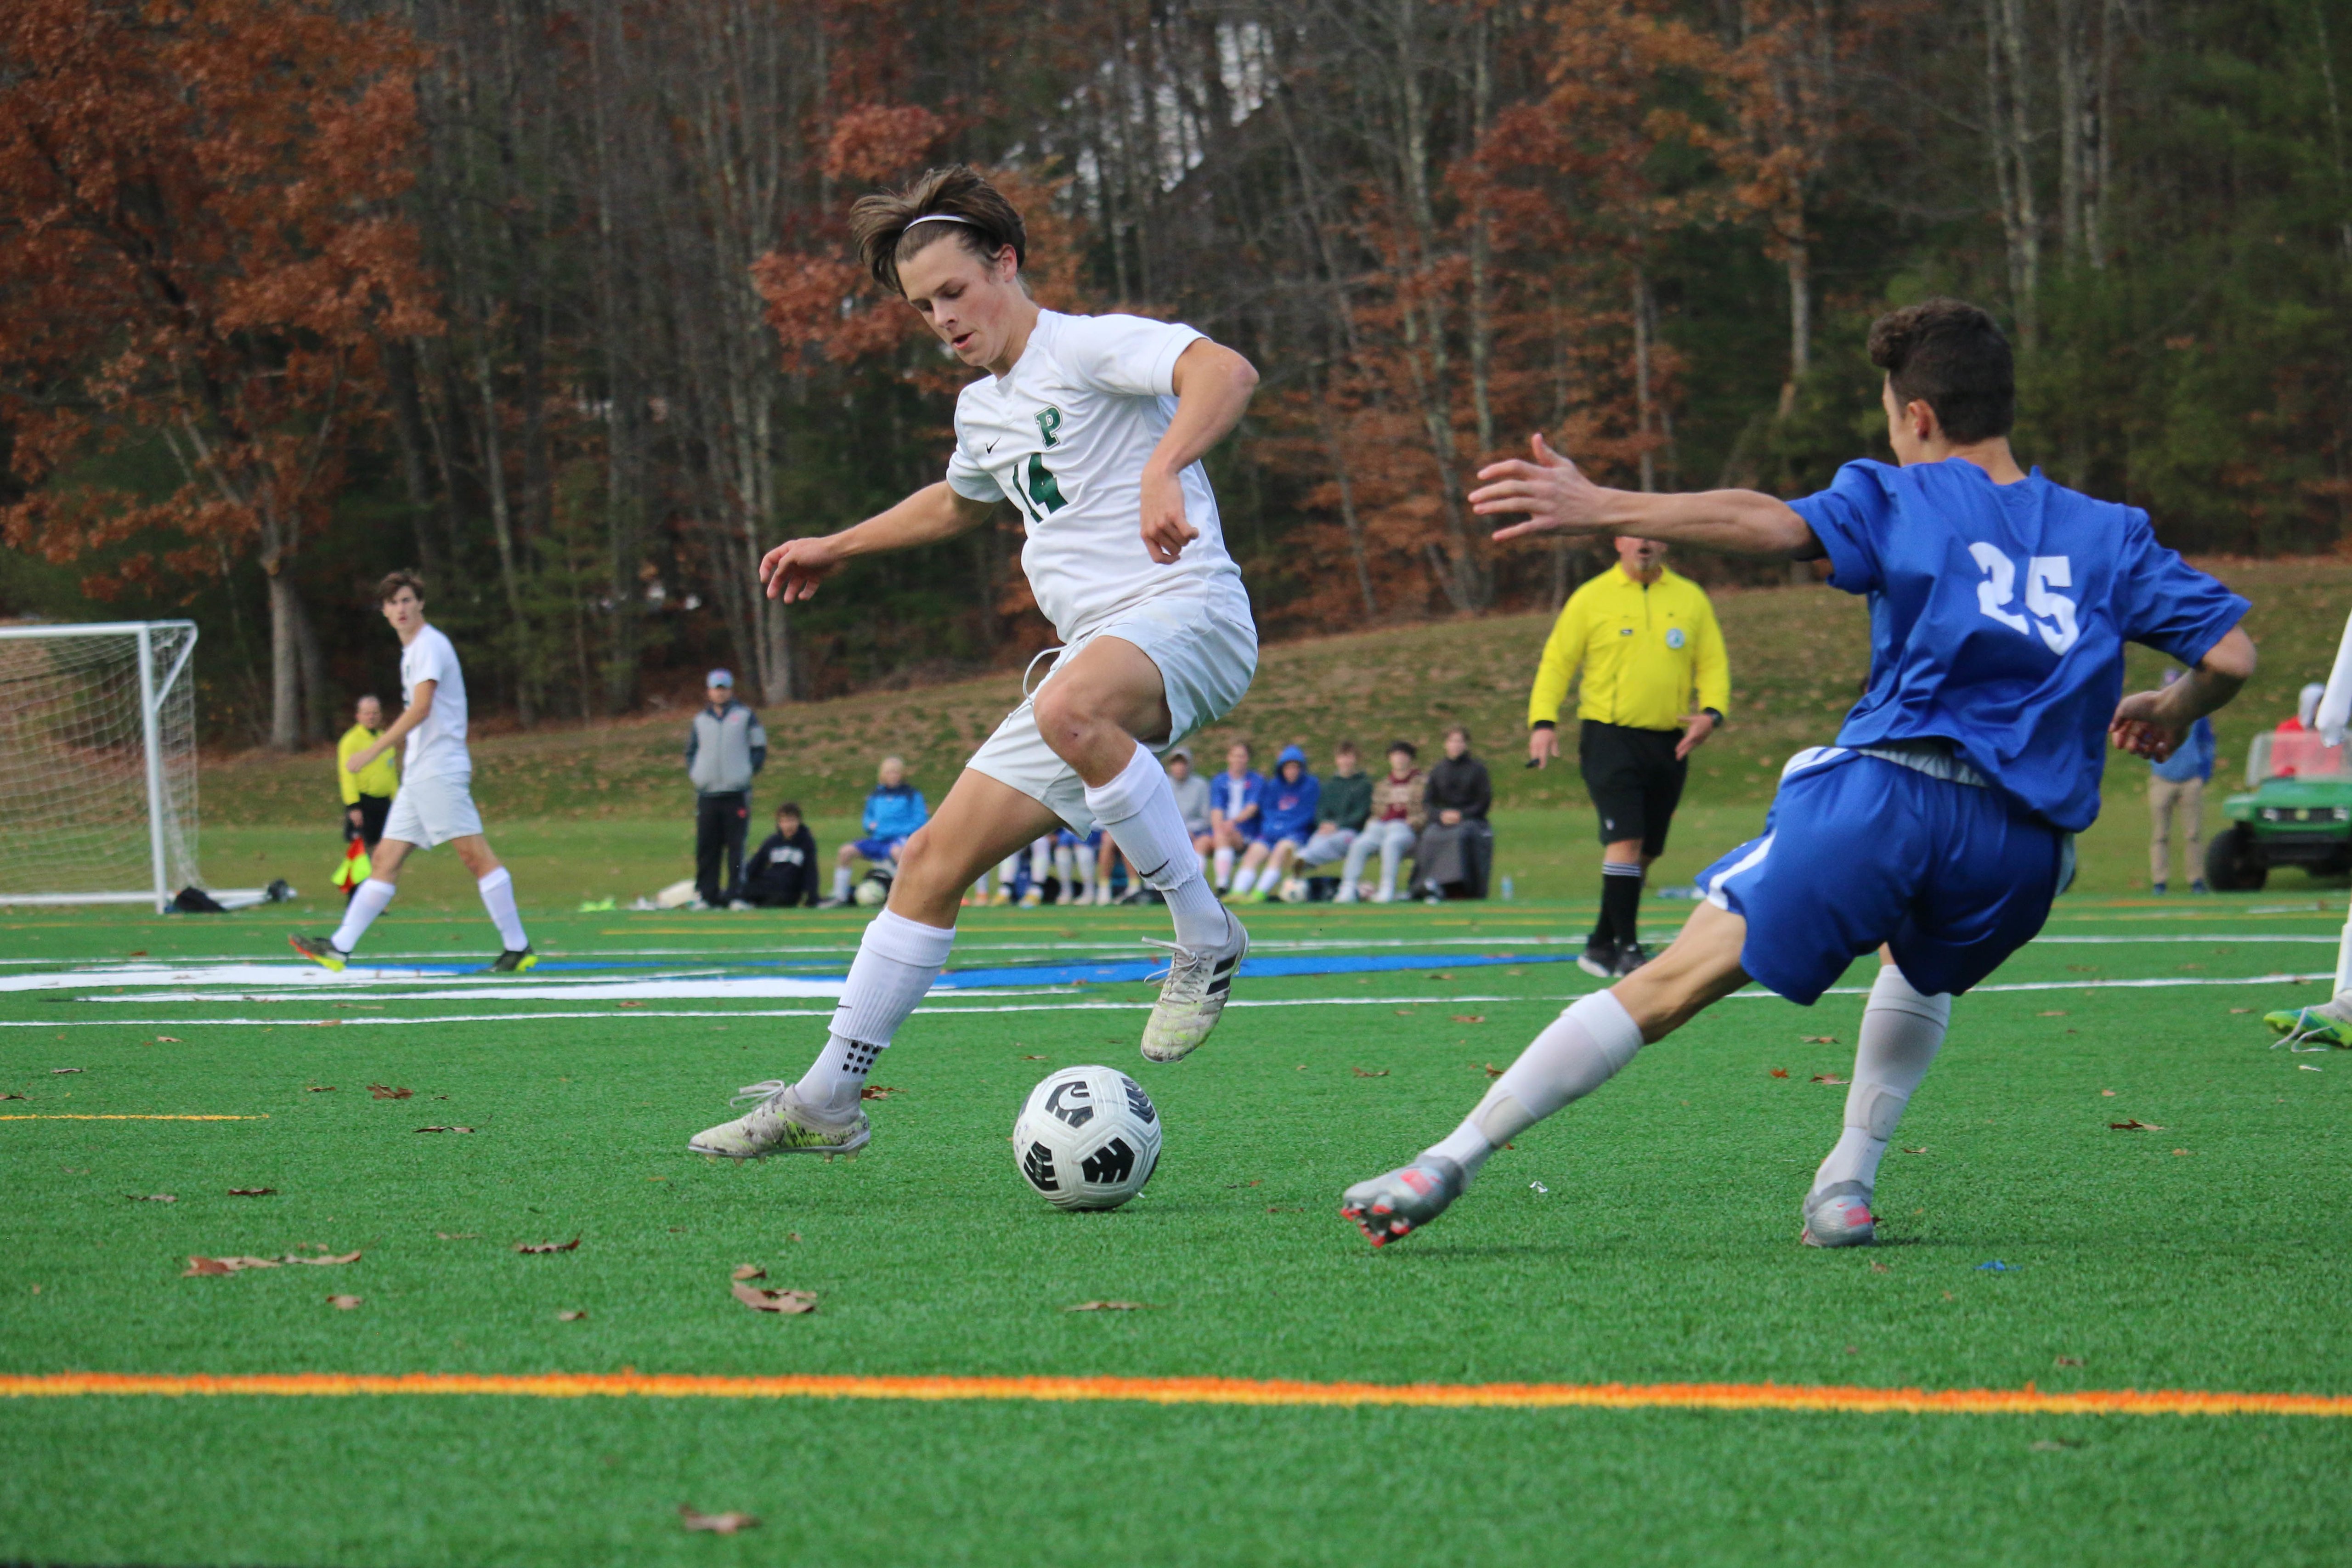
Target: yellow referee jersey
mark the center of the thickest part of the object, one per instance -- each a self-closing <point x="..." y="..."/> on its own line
<point x="377" y="778"/>
<point x="1652" y="654"/>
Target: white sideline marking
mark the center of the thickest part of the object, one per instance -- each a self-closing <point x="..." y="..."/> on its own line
<point x="1751" y="995"/>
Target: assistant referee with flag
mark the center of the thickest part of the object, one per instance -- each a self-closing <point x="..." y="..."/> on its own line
<point x="1655" y="683"/>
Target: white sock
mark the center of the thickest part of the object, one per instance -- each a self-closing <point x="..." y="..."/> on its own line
<point x="1224" y="859"/>
<point x="1902" y="1030"/>
<point x="1243" y="880"/>
<point x="1084" y="857"/>
<point x="497" y="897"/>
<point x="896" y="961"/>
<point x="1577" y="1053"/>
<point x="1040" y="863"/>
<point x="1137" y="809"/>
<point x="360" y="912"/>
<point x="841" y="882"/>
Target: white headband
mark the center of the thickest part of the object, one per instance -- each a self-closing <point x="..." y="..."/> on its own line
<point x="939" y="217"/>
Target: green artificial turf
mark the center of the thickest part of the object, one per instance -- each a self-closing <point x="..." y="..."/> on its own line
<point x="1644" y="1236"/>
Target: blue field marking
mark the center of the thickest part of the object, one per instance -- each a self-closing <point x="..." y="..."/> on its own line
<point x="1251" y="968"/>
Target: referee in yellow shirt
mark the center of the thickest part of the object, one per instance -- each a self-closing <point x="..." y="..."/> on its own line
<point x="367" y="795"/>
<point x="1656" y="682"/>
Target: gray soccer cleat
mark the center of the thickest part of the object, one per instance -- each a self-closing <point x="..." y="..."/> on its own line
<point x="1396" y="1204"/>
<point x="1199" y="981"/>
<point x="1840" y="1216"/>
<point x="780" y="1124"/>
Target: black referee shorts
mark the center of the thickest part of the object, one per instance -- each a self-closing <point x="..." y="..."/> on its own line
<point x="1634" y="779"/>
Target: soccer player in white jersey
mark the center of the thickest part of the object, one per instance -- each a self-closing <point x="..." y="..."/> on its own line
<point x="1092" y="427"/>
<point x="435" y="803"/>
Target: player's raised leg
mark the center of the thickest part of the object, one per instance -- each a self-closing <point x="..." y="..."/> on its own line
<point x="905" y="947"/>
<point x="1090" y="713"/>
<point x="1902" y="1030"/>
<point x="369" y="899"/>
<point x="1577" y="1053"/>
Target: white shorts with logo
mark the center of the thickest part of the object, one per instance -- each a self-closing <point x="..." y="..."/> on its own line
<point x="1207" y="656"/>
<point x="427" y="812"/>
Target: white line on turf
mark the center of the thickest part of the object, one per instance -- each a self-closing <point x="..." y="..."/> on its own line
<point x="1751" y="995"/>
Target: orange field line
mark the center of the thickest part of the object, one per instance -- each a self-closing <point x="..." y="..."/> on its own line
<point x="2026" y="1400"/>
<point x="124" y="1116"/>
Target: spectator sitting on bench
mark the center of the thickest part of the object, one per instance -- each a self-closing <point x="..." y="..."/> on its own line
<point x="1398" y="813"/>
<point x="782" y="872"/>
<point x="1457" y="846"/>
<point x="1292" y="801"/>
<point x="893" y="812"/>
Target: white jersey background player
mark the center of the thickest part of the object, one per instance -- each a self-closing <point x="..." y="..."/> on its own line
<point x="434" y="803"/>
<point x="1094" y="427"/>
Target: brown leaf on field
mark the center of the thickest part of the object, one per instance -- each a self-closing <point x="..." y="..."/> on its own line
<point x="2106" y="1094"/>
<point x="1779" y="1072"/>
<point x="1362" y="1073"/>
<point x="1441" y="977"/>
<point x="749" y="1271"/>
<point x="2183" y="1153"/>
<point x="628" y="1003"/>
<point x="1827" y="1077"/>
<point x="323" y="1258"/>
<point x="320" y="1088"/>
<point x="57" y="1071"/>
<point x="717" y="1524"/>
<point x="790" y="1302"/>
<point x="1877" y="1267"/>
<point x="458" y="1235"/>
<point x="253" y="1191"/>
<point x="1404" y="1012"/>
<point x="1821" y="1040"/>
<point x="210" y="1266"/>
<point x="1921" y="1149"/>
<point x="877" y="1091"/>
<point x="1113" y="1307"/>
<point x="444" y="1129"/>
<point x="388" y="1091"/>
<point x="1029" y="1059"/>
<point x="344" y="1303"/>
<point x="572" y="1246"/>
<point x="2053" y="1012"/>
<point x="569" y="1317"/>
<point x="2070" y="1361"/>
<point x="167" y="1039"/>
<point x="2136" y="1125"/>
<point x="151" y="1198"/>
<point x="1467" y="1018"/>
<point x="1493" y="1072"/>
<point x="136" y="952"/>
<point x="2242" y="1009"/>
<point x="792" y="1235"/>
<point x="11" y="1097"/>
<point x="1259" y="1182"/>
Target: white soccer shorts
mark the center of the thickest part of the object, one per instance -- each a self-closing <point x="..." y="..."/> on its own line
<point x="1206" y="660"/>
<point x="427" y="812"/>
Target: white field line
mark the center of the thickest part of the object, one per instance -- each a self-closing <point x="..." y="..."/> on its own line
<point x="1751" y="995"/>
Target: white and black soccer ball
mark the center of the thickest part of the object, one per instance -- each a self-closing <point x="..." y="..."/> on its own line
<point x="873" y="890"/>
<point x="1088" y="1138"/>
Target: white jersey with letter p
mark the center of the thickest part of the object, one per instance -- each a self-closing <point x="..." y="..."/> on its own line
<point x="1065" y="436"/>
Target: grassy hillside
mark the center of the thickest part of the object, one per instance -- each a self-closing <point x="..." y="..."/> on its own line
<point x="1799" y="655"/>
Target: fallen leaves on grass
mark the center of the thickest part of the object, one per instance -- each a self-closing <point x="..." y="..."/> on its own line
<point x="717" y="1524"/>
<point x="1404" y="1012"/>
<point x="2056" y="1445"/>
<point x="199" y="1266"/>
<point x="2070" y="1361"/>
<point x="444" y="1129"/>
<point x="1921" y="1149"/>
<point x="151" y="1198"/>
<point x="1779" y="1072"/>
<point x="2242" y="1009"/>
<point x="319" y="1089"/>
<point x="253" y="1191"/>
<point x="628" y="1003"/>
<point x="569" y="1317"/>
<point x="1821" y="1040"/>
<point x="344" y="1303"/>
<point x="1362" y="1073"/>
<point x="2183" y="1153"/>
<point x="750" y="1272"/>
<point x="789" y="1302"/>
<point x="389" y="1091"/>
<point x="1441" y="977"/>
<point x="1493" y="1072"/>
<point x="11" y="1097"/>
<point x="55" y="1071"/>
<point x="1113" y="1307"/>
<point x="458" y="1235"/>
<point x="877" y="1091"/>
<point x="167" y="1039"/>
<point x="1031" y="1059"/>
<point x="1827" y="1077"/>
<point x="2134" y="1124"/>
<point x="2106" y="1094"/>
<point x="1877" y="1268"/>
<point x="572" y="1246"/>
<point x="327" y="1259"/>
<point x="1259" y="1182"/>
<point x="1467" y="1018"/>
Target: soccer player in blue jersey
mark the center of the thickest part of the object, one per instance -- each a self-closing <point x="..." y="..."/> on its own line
<point x="1940" y="826"/>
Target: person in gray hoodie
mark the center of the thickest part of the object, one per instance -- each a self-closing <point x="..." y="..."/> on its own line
<point x="724" y="748"/>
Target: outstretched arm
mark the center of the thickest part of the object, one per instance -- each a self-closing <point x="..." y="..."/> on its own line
<point x="794" y="569"/>
<point x="2151" y="724"/>
<point x="1214" y="385"/>
<point x="1559" y="499"/>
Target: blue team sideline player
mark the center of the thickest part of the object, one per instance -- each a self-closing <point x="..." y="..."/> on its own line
<point x="893" y="812"/>
<point x="1942" y="823"/>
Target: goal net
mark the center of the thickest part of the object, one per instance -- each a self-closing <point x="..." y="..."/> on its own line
<point x="98" y="763"/>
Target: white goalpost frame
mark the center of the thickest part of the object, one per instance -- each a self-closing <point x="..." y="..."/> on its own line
<point x="151" y="696"/>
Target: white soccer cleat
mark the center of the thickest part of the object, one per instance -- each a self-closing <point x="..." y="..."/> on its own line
<point x="780" y="1124"/>
<point x="1392" y="1206"/>
<point x="1199" y="979"/>
<point x="1840" y="1216"/>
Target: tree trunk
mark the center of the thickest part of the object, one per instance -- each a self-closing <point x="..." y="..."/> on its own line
<point x="1642" y="377"/>
<point x="494" y="477"/>
<point x="2009" y="122"/>
<point x="285" y="654"/>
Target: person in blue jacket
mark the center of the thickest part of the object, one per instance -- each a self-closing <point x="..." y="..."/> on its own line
<point x="1285" y="821"/>
<point x="1236" y="797"/>
<point x="893" y="812"/>
<point x="2178" y="784"/>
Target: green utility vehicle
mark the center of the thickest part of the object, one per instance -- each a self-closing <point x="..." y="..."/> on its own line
<point x="2297" y="811"/>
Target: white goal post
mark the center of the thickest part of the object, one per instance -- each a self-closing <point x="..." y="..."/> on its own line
<point x="98" y="763"/>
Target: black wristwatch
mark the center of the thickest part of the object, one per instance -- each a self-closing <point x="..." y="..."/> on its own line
<point x="1713" y="713"/>
<point x="1541" y="724"/>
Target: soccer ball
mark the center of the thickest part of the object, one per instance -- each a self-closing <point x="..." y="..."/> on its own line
<point x="872" y="892"/>
<point x="1088" y="1138"/>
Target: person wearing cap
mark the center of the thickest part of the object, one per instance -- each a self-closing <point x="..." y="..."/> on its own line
<point x="725" y="749"/>
<point x="1286" y="817"/>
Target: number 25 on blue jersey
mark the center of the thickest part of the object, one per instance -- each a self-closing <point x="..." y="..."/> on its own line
<point x="2048" y="616"/>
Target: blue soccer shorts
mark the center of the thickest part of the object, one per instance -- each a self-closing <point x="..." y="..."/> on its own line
<point x="876" y="849"/>
<point x="1859" y="851"/>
